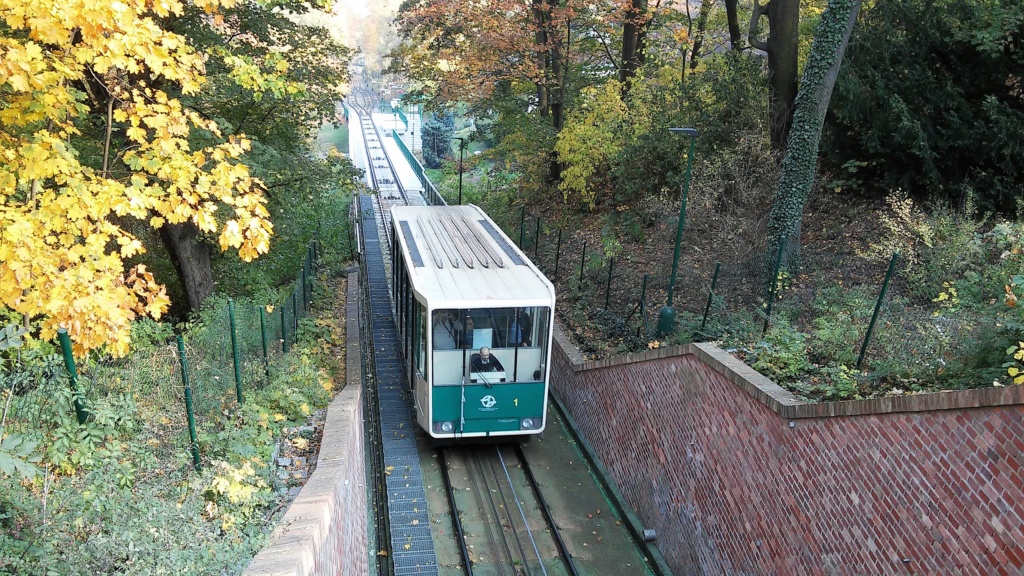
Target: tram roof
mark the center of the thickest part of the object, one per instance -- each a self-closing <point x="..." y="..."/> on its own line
<point x="458" y="257"/>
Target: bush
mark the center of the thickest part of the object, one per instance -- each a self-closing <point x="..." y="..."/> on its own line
<point x="119" y="495"/>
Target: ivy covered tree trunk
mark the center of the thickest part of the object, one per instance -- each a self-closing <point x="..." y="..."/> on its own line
<point x="799" y="165"/>
<point x="191" y="257"/>
<point x="631" y="30"/>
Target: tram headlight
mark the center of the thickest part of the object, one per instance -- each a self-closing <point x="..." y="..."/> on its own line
<point x="446" y="427"/>
<point x="529" y="423"/>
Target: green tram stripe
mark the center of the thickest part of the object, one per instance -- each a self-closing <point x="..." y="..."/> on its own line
<point x="510" y="401"/>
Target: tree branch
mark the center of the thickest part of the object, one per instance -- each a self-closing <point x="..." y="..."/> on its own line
<point x="759" y="10"/>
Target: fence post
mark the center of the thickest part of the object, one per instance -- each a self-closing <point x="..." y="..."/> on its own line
<point x="284" y="331"/>
<point x="775" y="283"/>
<point x="536" y="239"/>
<point x="558" y="251"/>
<point x="583" y="260"/>
<point x="295" y="312"/>
<point x="310" y="276"/>
<point x="522" y="228"/>
<point x="188" y="403"/>
<point x="234" y="351"/>
<point x="263" y="334"/>
<point x="643" y="304"/>
<point x="711" y="294"/>
<point x="608" y="286"/>
<point x="69" y="363"/>
<point x="878" y="306"/>
<point x="305" y="281"/>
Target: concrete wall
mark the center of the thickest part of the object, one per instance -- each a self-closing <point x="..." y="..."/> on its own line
<point x="324" y="530"/>
<point x="739" y="477"/>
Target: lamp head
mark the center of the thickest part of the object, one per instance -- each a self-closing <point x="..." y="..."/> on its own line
<point x="691" y="132"/>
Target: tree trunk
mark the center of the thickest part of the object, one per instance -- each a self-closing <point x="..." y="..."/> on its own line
<point x="732" y="15"/>
<point x="632" y="43"/>
<point x="799" y="165"/>
<point x="698" y="38"/>
<point x="781" y="46"/>
<point x="557" y="109"/>
<point x="191" y="257"/>
<point x="541" y="39"/>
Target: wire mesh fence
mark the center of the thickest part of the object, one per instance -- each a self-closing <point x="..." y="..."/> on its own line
<point x="230" y="349"/>
<point x="883" y="328"/>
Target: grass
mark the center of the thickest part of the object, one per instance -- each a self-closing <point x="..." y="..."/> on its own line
<point x="333" y="136"/>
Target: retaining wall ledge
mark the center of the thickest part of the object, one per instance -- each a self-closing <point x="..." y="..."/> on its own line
<point x="788" y="405"/>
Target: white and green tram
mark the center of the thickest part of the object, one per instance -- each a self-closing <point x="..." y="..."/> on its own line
<point x="474" y="315"/>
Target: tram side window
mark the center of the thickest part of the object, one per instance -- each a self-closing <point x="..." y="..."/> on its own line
<point x="541" y="330"/>
<point x="446" y="330"/>
<point x="421" y="339"/>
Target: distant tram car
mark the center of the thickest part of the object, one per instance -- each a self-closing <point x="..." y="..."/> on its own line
<point x="474" y="317"/>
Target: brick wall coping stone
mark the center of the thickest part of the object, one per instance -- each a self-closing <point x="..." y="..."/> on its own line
<point x="300" y="534"/>
<point x="785" y="403"/>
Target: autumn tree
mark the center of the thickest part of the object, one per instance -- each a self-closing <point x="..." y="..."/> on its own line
<point x="275" y="80"/>
<point x="64" y="233"/>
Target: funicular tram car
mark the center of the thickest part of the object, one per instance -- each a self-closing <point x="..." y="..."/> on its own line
<point x="474" y="316"/>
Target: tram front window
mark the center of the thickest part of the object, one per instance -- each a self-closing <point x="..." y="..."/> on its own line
<point x="516" y="337"/>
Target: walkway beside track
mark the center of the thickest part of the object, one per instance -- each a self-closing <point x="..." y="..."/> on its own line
<point x="412" y="546"/>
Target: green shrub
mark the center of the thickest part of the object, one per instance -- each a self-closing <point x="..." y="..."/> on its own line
<point x="782" y="355"/>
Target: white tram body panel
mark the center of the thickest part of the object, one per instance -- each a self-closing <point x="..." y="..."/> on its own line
<point x="461" y="286"/>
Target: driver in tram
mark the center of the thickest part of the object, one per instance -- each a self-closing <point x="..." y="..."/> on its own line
<point x="484" y="362"/>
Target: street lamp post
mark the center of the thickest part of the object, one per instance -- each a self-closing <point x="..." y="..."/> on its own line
<point x="462" y="146"/>
<point x="667" y="316"/>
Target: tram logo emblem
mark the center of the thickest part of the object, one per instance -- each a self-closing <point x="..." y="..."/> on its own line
<point x="488" y="401"/>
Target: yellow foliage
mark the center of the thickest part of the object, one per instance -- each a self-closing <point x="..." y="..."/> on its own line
<point x="909" y="231"/>
<point x="61" y="252"/>
<point x="591" y="139"/>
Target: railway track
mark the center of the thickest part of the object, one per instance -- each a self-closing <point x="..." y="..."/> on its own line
<point x="381" y="171"/>
<point x="501" y="520"/>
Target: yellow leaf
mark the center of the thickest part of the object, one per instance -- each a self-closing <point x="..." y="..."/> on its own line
<point x="279" y="417"/>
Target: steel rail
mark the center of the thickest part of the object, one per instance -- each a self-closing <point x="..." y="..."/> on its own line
<point x="555" y="532"/>
<point x="460" y="535"/>
<point x="478" y="461"/>
<point x="522" y="515"/>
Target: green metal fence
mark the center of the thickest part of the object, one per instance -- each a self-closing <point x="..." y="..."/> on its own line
<point x="884" y="321"/>
<point x="430" y="192"/>
<point x="231" y="349"/>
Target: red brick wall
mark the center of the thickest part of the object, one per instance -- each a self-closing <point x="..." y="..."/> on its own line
<point x="733" y="488"/>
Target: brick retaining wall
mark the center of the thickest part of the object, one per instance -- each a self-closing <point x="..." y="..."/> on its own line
<point x="324" y="530"/>
<point x="739" y="477"/>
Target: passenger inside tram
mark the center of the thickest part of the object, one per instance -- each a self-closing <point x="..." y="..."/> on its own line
<point x="508" y="334"/>
<point x="446" y="331"/>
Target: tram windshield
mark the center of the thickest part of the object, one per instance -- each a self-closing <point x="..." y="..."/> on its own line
<point x="489" y="345"/>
